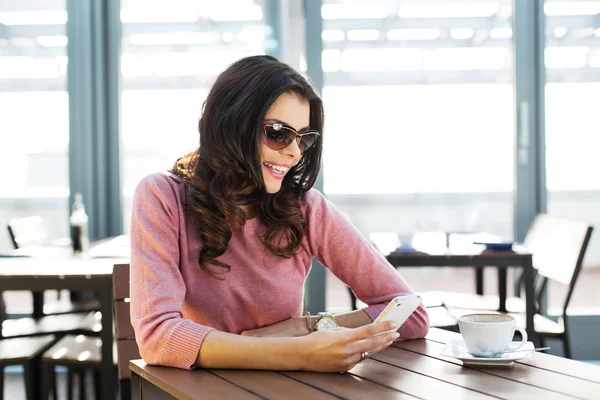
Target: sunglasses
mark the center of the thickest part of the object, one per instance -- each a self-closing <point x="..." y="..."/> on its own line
<point x="279" y="136"/>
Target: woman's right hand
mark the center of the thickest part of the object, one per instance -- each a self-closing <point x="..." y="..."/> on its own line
<point x="340" y="349"/>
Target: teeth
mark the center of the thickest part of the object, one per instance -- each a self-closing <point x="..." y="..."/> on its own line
<point x="277" y="168"/>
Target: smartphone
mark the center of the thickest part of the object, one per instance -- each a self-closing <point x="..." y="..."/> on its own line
<point x="399" y="309"/>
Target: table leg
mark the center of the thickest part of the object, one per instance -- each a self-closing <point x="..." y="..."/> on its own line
<point x="107" y="368"/>
<point x="136" y="387"/>
<point x="529" y="300"/>
<point x="479" y="280"/>
<point x="502" y="277"/>
<point x="38" y="304"/>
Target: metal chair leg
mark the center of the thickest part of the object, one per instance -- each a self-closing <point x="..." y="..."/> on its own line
<point x="69" y="383"/>
<point x="47" y="378"/>
<point x="28" y="380"/>
<point x="2" y="382"/>
<point x="82" y="385"/>
<point x="97" y="383"/>
<point x="567" y="345"/>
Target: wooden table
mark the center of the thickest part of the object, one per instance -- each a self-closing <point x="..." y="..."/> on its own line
<point x="38" y="274"/>
<point x="406" y="370"/>
<point x="500" y="259"/>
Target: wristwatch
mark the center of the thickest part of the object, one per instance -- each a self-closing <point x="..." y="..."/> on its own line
<point x="325" y="320"/>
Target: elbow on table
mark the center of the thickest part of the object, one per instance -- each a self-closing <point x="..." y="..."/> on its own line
<point x="420" y="324"/>
<point x="424" y="322"/>
<point x="149" y="352"/>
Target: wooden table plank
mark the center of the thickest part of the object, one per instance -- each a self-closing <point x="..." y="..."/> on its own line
<point x="270" y="384"/>
<point x="564" y="366"/>
<point x="189" y="385"/>
<point x="347" y="386"/>
<point x="561" y="365"/>
<point x="465" y="377"/>
<point x="525" y="374"/>
<point x="415" y="384"/>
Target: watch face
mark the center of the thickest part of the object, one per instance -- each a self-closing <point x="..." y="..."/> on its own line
<point x="326" y="323"/>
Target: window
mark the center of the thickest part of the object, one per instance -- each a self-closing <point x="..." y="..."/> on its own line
<point x="171" y="55"/>
<point x="419" y="121"/>
<point x="419" y="104"/>
<point x="34" y="122"/>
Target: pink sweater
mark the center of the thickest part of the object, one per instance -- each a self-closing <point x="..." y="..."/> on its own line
<point x="174" y="304"/>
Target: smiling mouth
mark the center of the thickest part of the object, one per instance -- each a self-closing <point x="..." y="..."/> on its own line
<point x="277" y="171"/>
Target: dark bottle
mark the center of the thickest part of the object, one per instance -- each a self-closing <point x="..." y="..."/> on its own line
<point x="79" y="226"/>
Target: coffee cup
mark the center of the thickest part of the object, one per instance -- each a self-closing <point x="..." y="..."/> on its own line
<point x="487" y="335"/>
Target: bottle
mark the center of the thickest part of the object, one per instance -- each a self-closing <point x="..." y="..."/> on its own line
<point x="79" y="226"/>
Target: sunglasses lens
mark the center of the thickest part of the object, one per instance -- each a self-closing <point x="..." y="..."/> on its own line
<point x="278" y="139"/>
<point x="308" y="141"/>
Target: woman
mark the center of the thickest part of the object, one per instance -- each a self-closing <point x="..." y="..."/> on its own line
<point x="221" y="247"/>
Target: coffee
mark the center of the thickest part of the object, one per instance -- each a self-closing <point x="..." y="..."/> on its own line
<point x="487" y="335"/>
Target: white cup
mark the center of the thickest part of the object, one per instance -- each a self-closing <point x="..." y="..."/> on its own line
<point x="487" y="335"/>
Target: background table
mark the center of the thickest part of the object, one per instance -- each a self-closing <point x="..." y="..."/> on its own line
<point x="499" y="259"/>
<point x="72" y="274"/>
<point x="406" y="370"/>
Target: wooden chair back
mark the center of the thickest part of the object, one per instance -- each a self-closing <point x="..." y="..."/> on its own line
<point x="127" y="348"/>
<point x="558" y="246"/>
<point x="27" y="231"/>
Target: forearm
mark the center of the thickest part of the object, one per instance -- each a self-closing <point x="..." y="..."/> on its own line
<point x="352" y="319"/>
<point x="226" y="350"/>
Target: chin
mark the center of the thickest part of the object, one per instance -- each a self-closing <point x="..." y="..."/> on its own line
<point x="273" y="188"/>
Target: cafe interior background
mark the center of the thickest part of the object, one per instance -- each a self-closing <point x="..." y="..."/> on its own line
<point x="441" y="116"/>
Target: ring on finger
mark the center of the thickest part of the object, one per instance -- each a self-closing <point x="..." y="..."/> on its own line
<point x="364" y="355"/>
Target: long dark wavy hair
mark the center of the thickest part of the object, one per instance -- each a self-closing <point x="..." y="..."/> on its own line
<point x="225" y="172"/>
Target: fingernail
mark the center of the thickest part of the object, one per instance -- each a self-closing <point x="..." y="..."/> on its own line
<point x="395" y="336"/>
<point x="394" y="325"/>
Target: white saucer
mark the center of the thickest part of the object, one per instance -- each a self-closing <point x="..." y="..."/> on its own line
<point x="458" y="349"/>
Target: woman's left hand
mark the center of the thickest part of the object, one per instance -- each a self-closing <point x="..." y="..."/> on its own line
<point x="289" y="328"/>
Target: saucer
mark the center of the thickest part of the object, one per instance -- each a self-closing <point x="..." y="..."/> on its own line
<point x="457" y="349"/>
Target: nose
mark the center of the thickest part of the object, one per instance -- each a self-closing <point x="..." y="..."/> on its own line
<point x="293" y="151"/>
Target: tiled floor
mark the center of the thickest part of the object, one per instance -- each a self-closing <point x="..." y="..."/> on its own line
<point x="14" y="388"/>
<point x="585" y="298"/>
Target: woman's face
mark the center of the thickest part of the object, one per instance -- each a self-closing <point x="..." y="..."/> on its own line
<point x="294" y="112"/>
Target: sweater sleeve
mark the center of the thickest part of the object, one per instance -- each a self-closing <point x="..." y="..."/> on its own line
<point x="157" y="289"/>
<point x="340" y="247"/>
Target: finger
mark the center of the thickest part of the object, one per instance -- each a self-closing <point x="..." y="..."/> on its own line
<point x="370" y="343"/>
<point x="373" y="329"/>
<point x="377" y="349"/>
<point x="363" y="355"/>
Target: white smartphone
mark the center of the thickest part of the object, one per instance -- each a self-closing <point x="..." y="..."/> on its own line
<point x="399" y="309"/>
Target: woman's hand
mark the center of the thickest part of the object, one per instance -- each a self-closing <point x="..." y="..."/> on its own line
<point x="340" y="349"/>
<point x="289" y="328"/>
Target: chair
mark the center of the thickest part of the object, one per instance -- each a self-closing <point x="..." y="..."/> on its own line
<point x="127" y="348"/>
<point x="27" y="231"/>
<point x="535" y="241"/>
<point x="558" y="247"/>
<point x="25" y="352"/>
